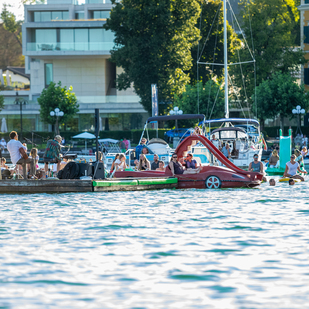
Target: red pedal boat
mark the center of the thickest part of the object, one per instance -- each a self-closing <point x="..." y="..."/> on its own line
<point x="211" y="177"/>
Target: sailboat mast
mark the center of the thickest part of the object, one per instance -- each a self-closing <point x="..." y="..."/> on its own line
<point x="226" y="88"/>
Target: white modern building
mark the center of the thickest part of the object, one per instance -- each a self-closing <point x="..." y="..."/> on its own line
<point x="64" y="40"/>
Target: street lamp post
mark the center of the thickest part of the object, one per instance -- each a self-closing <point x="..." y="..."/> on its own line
<point x="176" y="111"/>
<point x="21" y="102"/>
<point x="298" y="111"/>
<point x="58" y="113"/>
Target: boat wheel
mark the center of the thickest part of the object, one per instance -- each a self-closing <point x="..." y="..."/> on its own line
<point x="213" y="182"/>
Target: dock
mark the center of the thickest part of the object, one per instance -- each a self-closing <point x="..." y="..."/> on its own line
<point x="20" y="186"/>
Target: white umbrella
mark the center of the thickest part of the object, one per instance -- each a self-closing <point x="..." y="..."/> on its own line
<point x="4" y="127"/>
<point x="85" y="136"/>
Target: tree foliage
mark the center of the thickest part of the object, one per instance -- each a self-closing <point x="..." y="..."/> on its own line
<point x="11" y="24"/>
<point x="210" y="48"/>
<point x="153" y="41"/>
<point x="57" y="96"/>
<point x="209" y="95"/>
<point x="270" y="26"/>
<point x="10" y="50"/>
<point x="279" y="95"/>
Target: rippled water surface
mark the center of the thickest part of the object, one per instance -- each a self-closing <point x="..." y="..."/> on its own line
<point x="240" y="248"/>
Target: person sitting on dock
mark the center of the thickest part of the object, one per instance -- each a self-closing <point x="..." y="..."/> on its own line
<point x="155" y="163"/>
<point x="291" y="169"/>
<point x="52" y="153"/>
<point x="14" y="146"/>
<point x="143" y="164"/>
<point x="161" y="167"/>
<point x="3" y="165"/>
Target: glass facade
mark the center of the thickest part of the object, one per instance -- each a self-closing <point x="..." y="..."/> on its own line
<point x="50" y="15"/>
<point x="48" y="74"/>
<point x="81" y="39"/>
<point x="100" y="14"/>
<point x="79" y="15"/>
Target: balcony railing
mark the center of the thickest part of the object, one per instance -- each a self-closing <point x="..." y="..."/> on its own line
<point x="94" y="46"/>
<point x="75" y="2"/>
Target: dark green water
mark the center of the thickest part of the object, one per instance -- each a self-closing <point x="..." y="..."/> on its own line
<point x="243" y="248"/>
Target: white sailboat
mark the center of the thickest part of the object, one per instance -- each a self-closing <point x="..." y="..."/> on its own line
<point x="242" y="134"/>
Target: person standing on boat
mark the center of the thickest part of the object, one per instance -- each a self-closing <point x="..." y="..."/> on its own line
<point x="139" y="148"/>
<point x="226" y="150"/>
<point x="291" y="169"/>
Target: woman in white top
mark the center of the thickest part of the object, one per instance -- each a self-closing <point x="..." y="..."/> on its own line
<point x="120" y="164"/>
<point x="291" y="169"/>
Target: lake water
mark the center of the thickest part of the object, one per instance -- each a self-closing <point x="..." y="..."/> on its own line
<point x="240" y="248"/>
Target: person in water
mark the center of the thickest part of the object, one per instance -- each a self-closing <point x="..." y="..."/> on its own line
<point x="291" y="169"/>
<point x="272" y="182"/>
<point x="291" y="182"/>
<point x="257" y="166"/>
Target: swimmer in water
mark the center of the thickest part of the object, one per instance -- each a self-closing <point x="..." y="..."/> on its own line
<point x="272" y="182"/>
<point x="291" y="182"/>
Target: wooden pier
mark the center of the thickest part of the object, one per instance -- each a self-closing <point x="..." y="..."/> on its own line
<point x="75" y="185"/>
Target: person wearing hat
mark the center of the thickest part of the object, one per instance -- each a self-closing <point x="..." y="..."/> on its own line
<point x="52" y="153"/>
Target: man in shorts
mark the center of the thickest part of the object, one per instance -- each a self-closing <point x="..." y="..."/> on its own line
<point x="52" y="153"/>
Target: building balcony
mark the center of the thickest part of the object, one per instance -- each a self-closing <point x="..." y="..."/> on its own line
<point x="54" y="47"/>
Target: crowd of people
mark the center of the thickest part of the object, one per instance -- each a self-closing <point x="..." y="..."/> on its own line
<point x="28" y="166"/>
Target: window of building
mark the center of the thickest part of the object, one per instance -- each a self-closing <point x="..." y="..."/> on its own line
<point x="71" y="39"/>
<point x="100" y="14"/>
<point x="79" y="15"/>
<point x="66" y="39"/>
<point x="50" y="15"/>
<point x="306" y="76"/>
<point x="306" y="34"/>
<point x="48" y="74"/>
<point x="81" y="39"/>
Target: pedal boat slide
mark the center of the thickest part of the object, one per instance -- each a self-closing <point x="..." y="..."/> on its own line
<point x="211" y="177"/>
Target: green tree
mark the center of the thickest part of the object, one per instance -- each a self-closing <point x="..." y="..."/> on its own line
<point x="279" y="95"/>
<point x="153" y="41"/>
<point x="11" y="24"/>
<point x="211" y="50"/>
<point x="210" y="96"/>
<point x="270" y="26"/>
<point x="57" y="96"/>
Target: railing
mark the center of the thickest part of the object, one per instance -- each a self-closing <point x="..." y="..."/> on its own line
<point x="95" y="46"/>
<point x="75" y="2"/>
